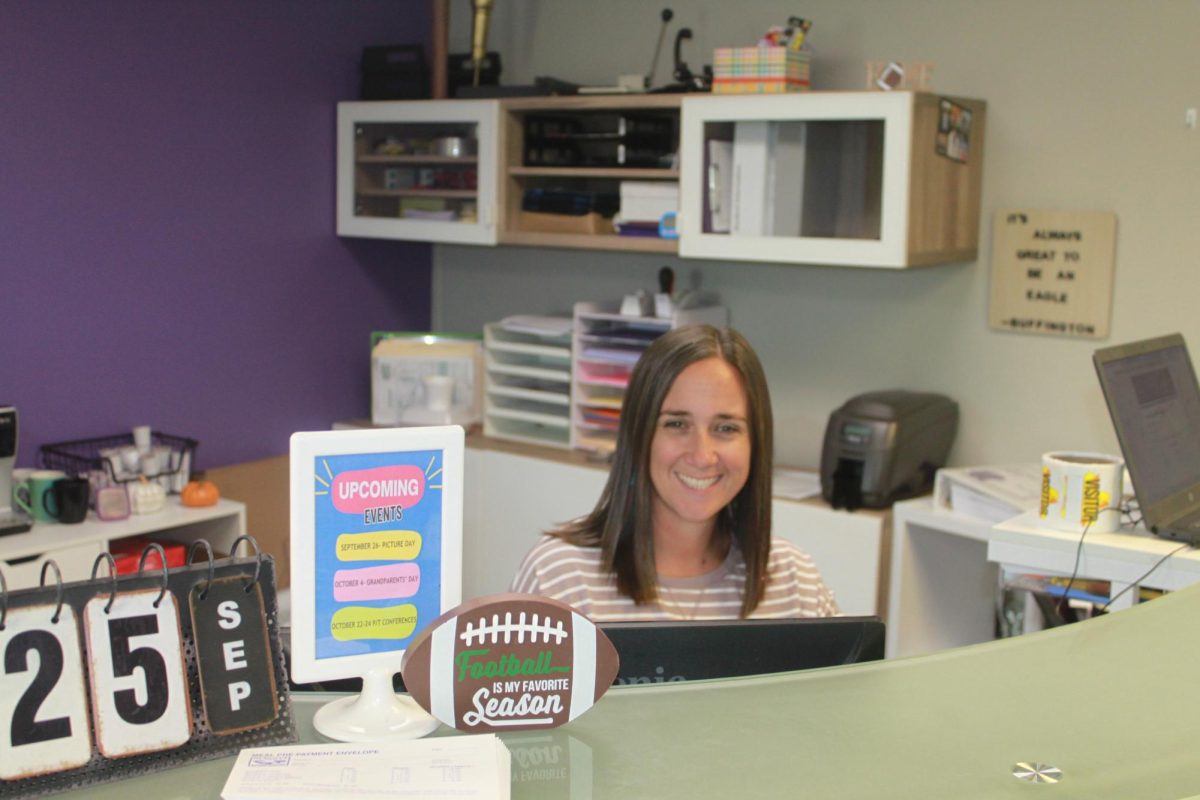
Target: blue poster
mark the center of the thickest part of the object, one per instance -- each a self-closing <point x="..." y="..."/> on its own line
<point x="378" y="546"/>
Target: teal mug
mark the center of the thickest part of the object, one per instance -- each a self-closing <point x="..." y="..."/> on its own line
<point x="30" y="494"/>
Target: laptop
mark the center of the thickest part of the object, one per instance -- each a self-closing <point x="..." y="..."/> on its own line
<point x="685" y="650"/>
<point x="1154" y="400"/>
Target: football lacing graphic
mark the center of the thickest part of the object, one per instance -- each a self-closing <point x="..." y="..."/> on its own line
<point x="545" y="629"/>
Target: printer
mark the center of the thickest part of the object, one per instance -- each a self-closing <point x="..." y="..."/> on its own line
<point x="885" y="446"/>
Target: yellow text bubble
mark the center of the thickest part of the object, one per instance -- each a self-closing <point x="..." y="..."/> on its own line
<point x="379" y="545"/>
<point x="361" y="622"/>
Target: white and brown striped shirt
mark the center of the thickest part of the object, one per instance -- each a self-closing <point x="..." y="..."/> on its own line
<point x="572" y="574"/>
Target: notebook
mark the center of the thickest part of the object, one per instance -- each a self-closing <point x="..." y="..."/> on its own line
<point x="1154" y="400"/>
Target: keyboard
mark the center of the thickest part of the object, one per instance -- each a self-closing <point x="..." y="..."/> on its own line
<point x="14" y="522"/>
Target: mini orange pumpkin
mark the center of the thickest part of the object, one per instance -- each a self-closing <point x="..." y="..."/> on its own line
<point x="200" y="493"/>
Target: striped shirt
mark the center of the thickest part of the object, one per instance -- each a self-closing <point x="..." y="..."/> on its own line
<point x="573" y="574"/>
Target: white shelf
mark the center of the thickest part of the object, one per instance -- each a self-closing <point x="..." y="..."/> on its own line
<point x="536" y="395"/>
<point x="23" y="553"/>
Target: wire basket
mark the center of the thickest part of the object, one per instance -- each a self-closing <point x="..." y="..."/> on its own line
<point x="170" y="459"/>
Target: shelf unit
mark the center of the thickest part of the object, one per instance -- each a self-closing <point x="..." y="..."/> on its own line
<point x="591" y="111"/>
<point x="527" y="385"/>
<point x="393" y="183"/>
<point x="74" y="547"/>
<point x="877" y="181"/>
<point x="605" y="347"/>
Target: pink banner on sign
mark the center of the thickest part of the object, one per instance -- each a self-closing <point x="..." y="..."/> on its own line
<point x="376" y="583"/>
<point x="355" y="491"/>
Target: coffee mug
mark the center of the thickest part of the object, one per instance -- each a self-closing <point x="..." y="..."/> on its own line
<point x="67" y="500"/>
<point x="1081" y="491"/>
<point x="30" y="494"/>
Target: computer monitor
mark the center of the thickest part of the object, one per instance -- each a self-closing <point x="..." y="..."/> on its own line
<point x="666" y="652"/>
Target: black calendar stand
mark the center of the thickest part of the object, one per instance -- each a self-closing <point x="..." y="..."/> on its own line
<point x="120" y="676"/>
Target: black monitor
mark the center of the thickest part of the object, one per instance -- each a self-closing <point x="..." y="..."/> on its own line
<point x="665" y="652"/>
<point x="687" y="650"/>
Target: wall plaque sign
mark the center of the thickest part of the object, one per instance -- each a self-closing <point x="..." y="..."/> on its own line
<point x="509" y="662"/>
<point x="1052" y="272"/>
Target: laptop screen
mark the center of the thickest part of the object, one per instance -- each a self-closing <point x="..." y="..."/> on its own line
<point x="1154" y="401"/>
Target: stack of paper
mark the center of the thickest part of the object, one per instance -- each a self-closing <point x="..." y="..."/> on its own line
<point x="644" y="204"/>
<point x="992" y="494"/>
<point x="473" y="767"/>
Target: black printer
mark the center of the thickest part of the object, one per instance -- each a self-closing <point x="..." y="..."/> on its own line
<point x="885" y="446"/>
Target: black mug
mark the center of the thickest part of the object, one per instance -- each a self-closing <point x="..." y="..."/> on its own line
<point x="67" y="500"/>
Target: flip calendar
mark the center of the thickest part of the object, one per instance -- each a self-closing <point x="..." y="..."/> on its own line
<point x="122" y="675"/>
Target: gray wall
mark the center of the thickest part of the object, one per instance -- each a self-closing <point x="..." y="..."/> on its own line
<point x="1086" y="102"/>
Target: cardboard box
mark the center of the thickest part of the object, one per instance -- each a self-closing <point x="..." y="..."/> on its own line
<point x="759" y="70"/>
<point x="542" y="222"/>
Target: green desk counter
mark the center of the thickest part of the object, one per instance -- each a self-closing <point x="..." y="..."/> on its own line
<point x="1113" y="703"/>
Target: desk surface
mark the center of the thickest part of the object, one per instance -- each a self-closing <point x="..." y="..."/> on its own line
<point x="1111" y="702"/>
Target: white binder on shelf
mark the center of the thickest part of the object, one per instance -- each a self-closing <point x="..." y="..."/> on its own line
<point x="719" y="196"/>
<point x="768" y="178"/>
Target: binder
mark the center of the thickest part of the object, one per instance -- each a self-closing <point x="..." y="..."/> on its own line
<point x="768" y="178"/>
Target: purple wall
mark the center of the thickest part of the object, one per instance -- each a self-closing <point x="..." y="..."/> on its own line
<point x="167" y="220"/>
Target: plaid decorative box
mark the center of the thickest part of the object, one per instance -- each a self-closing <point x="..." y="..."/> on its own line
<point x="759" y="70"/>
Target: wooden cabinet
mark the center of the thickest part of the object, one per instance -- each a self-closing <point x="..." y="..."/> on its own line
<point x="876" y="179"/>
<point x="865" y="179"/>
<point x="420" y="170"/>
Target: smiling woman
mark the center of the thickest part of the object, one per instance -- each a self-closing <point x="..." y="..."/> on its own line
<point x="682" y="529"/>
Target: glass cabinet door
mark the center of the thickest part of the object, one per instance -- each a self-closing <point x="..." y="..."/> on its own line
<point x="418" y="170"/>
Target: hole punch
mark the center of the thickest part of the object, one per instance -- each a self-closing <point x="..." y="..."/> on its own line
<point x="211" y="567"/>
<point x="162" y="555"/>
<point x="257" y="566"/>
<point x="112" y="573"/>
<point x="50" y="562"/>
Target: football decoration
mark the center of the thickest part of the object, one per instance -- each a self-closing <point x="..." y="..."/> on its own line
<point x="509" y="662"/>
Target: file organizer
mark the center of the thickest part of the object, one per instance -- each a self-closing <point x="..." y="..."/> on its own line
<point x="527" y="385"/>
<point x="606" y="345"/>
<point x="123" y="675"/>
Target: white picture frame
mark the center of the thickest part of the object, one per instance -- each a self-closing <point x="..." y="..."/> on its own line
<point x="351" y="526"/>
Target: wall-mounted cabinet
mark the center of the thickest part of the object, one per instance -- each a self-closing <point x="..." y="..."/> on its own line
<point x="418" y="170"/>
<point x="878" y="179"/>
<point x="873" y="179"/>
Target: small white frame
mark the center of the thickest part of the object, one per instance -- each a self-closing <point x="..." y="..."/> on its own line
<point x="307" y="448"/>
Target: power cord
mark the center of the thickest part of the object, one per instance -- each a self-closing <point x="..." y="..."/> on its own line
<point x="1144" y="575"/>
<point x="1127" y="511"/>
<point x="1062" y="601"/>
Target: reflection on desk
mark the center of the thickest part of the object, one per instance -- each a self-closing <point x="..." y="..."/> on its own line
<point x="1110" y="702"/>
